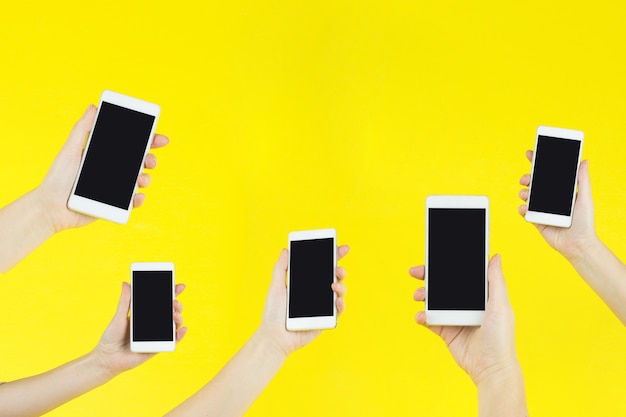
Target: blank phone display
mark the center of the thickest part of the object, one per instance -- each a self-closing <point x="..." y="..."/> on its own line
<point x="456" y="258"/>
<point x="310" y="277"/>
<point x="115" y="155"/>
<point x="152" y="306"/>
<point x="554" y="175"/>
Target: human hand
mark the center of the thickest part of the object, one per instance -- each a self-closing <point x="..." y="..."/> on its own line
<point x="55" y="189"/>
<point x="274" y="315"/>
<point x="568" y="241"/>
<point x="113" y="350"/>
<point x="484" y="350"/>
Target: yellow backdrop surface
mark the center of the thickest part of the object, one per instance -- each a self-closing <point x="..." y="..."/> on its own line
<point x="290" y="115"/>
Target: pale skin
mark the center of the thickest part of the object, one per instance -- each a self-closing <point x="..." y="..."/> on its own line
<point x="37" y="395"/>
<point x="233" y="390"/>
<point x="487" y="352"/>
<point x="27" y="223"/>
<point x="580" y="245"/>
<point x="33" y="218"/>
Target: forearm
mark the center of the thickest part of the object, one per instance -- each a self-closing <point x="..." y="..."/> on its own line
<point x="503" y="394"/>
<point x="39" y="394"/>
<point x="604" y="273"/>
<point x="24" y="225"/>
<point x="238" y="384"/>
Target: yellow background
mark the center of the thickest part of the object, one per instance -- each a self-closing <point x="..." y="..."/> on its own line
<point x="291" y="115"/>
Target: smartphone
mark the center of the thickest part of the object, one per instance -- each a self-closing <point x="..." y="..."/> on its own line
<point x="311" y="272"/>
<point x="554" y="175"/>
<point x="152" y="327"/>
<point x="113" y="157"/>
<point x="457" y="248"/>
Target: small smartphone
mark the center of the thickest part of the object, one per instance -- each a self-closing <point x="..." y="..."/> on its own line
<point x="113" y="157"/>
<point x="457" y="248"/>
<point x="554" y="175"/>
<point x="152" y="327"/>
<point x="311" y="272"/>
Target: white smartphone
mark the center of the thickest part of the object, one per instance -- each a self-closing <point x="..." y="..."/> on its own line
<point x="311" y="272"/>
<point x="152" y="327"/>
<point x="457" y="248"/>
<point x="554" y="175"/>
<point x="113" y="157"/>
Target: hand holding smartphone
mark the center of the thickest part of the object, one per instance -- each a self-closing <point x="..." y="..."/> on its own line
<point x="552" y="189"/>
<point x="152" y="327"/>
<point x="457" y="250"/>
<point x="113" y="157"/>
<point x="311" y="302"/>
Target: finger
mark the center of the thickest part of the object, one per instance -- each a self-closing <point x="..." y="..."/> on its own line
<point x="144" y="180"/>
<point x="342" y="251"/>
<point x="279" y="279"/>
<point x="420" y="294"/>
<point x="123" y="304"/>
<point x="178" y="307"/>
<point x="523" y="194"/>
<point x="339" y="289"/>
<point x="178" y="319"/>
<point x="179" y="289"/>
<point x="81" y="129"/>
<point x="341" y="273"/>
<point x="418" y="272"/>
<point x="138" y="200"/>
<point x="420" y="318"/>
<point x="522" y="210"/>
<point x="529" y="155"/>
<point x="525" y="180"/>
<point x="584" y="183"/>
<point x="159" y="141"/>
<point x="151" y="161"/>
<point x="180" y="333"/>
<point x="497" y="287"/>
<point x="341" y="306"/>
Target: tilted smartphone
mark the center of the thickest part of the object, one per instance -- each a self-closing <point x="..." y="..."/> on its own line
<point x="152" y="327"/>
<point x="552" y="190"/>
<point x="114" y="156"/>
<point x="457" y="248"/>
<point x="311" y="272"/>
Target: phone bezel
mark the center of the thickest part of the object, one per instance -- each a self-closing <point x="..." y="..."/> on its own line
<point x="551" y="219"/>
<point x="316" y="322"/>
<point x="151" y="346"/>
<point x="98" y="209"/>
<point x="456" y="317"/>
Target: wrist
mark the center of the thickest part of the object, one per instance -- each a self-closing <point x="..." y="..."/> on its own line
<point x="100" y="367"/>
<point x="108" y="360"/>
<point x="579" y="249"/>
<point x="266" y="340"/>
<point x="502" y="392"/>
<point x="46" y="210"/>
<point x="496" y="375"/>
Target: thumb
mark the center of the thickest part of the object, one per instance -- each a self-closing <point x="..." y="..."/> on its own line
<point x="280" y="269"/>
<point x="116" y="328"/>
<point x="123" y="306"/>
<point x="584" y="183"/>
<point x="497" y="287"/>
<point x="81" y="129"/>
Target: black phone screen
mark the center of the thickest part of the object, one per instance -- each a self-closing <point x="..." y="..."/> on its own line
<point x="456" y="258"/>
<point x="554" y="175"/>
<point x="310" y="277"/>
<point x="152" y="306"/>
<point x="114" y="155"/>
